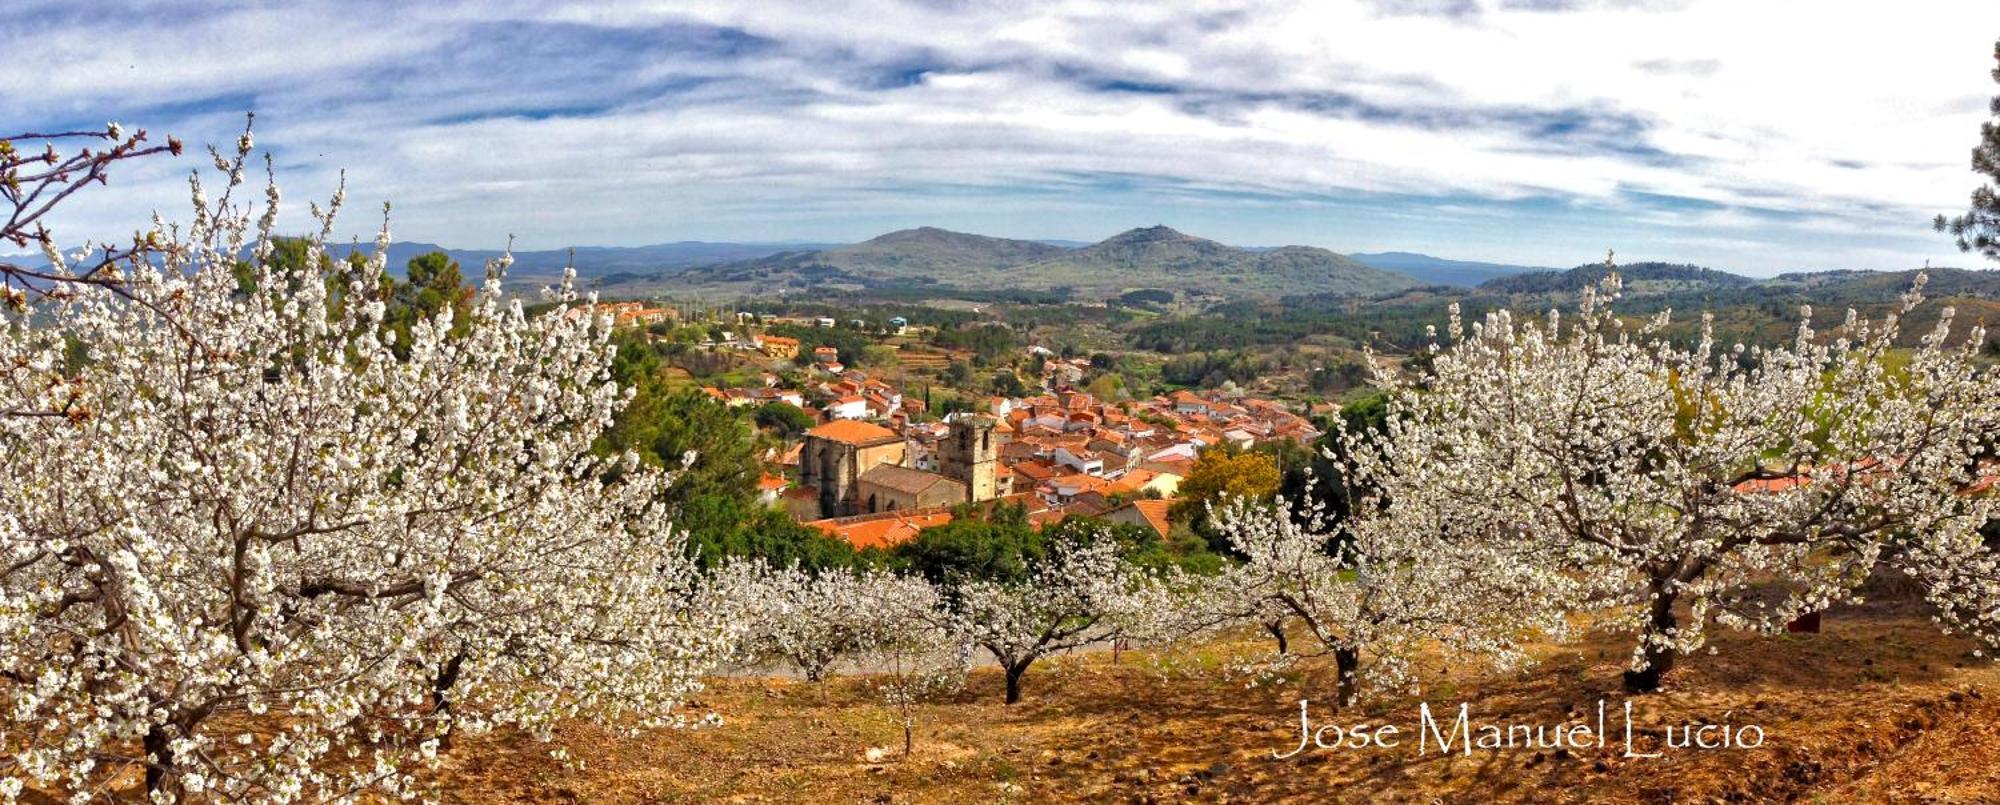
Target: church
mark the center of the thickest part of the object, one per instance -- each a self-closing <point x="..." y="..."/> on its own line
<point x="855" y="467"/>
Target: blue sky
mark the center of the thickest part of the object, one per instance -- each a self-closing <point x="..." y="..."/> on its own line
<point x="1752" y="135"/>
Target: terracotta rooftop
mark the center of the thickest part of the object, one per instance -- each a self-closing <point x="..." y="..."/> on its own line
<point x="1036" y="470"/>
<point x="853" y="431"/>
<point x="904" y="479"/>
<point x="1137" y="478"/>
<point x="883" y="530"/>
<point x="1155" y="512"/>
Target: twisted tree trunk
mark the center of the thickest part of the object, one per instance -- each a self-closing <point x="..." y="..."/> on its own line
<point x="160" y="762"/>
<point x="441" y="694"/>
<point x="1656" y="647"/>
<point x="1347" y="661"/>
<point x="1014" y="673"/>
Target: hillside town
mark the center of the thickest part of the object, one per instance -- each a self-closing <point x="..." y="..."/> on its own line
<point x="877" y="468"/>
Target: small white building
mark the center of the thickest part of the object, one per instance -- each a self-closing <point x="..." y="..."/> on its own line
<point x="1081" y="461"/>
<point x="854" y="407"/>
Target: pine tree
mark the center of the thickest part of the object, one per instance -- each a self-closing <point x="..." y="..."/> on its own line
<point x="1979" y="228"/>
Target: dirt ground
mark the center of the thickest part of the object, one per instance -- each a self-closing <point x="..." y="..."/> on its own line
<point x="1877" y="707"/>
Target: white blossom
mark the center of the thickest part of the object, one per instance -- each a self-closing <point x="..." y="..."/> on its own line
<point x="227" y="505"/>
<point x="1381" y="584"/>
<point x="1081" y="592"/>
<point x="1745" y="486"/>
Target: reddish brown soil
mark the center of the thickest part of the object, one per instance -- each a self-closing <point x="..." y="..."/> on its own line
<point x="1878" y="707"/>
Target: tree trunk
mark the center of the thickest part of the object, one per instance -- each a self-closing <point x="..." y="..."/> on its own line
<point x="1347" y="661"/>
<point x="1277" y="630"/>
<point x="909" y="737"/>
<point x="160" y="760"/>
<point x="1659" y="658"/>
<point x="1014" y="674"/>
<point x="441" y="695"/>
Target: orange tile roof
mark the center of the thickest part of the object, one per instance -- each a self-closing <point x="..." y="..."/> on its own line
<point x="1137" y="479"/>
<point x="853" y="431"/>
<point x="883" y="530"/>
<point x="1084" y="483"/>
<point x="1155" y="512"/>
<point x="1772" y="484"/>
<point x="1036" y="470"/>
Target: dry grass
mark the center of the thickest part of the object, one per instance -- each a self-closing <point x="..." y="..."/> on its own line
<point x="1879" y="707"/>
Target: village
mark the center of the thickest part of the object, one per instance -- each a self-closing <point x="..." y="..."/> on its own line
<point x="878" y="466"/>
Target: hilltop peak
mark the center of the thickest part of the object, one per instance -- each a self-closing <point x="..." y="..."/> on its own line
<point x="920" y="234"/>
<point x="1149" y="234"/>
<point x="936" y="260"/>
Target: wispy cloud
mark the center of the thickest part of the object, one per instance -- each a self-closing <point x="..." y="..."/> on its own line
<point x="1740" y="132"/>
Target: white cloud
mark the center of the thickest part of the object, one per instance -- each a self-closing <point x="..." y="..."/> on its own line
<point x="636" y="122"/>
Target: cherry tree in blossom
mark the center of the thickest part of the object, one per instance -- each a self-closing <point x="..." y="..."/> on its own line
<point x="1378" y="586"/>
<point x="1684" y="485"/>
<point x="890" y="626"/>
<point x="815" y="622"/>
<point x="41" y="170"/>
<point x="1081" y="592"/>
<point x="916" y="655"/>
<point x="252" y="553"/>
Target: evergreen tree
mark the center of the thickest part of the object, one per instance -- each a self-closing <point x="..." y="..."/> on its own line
<point x="1979" y="228"/>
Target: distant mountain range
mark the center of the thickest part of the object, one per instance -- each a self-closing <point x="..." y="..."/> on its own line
<point x="599" y="262"/>
<point x="929" y="262"/>
<point x="602" y="263"/>
<point x="1440" y="271"/>
<point x="933" y="261"/>
<point x="1149" y="258"/>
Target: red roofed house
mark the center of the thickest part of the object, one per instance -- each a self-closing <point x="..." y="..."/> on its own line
<point x="770" y="487"/>
<point x="883" y="531"/>
<point x="1149" y="513"/>
<point x="778" y="346"/>
<point x="852" y="407"/>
